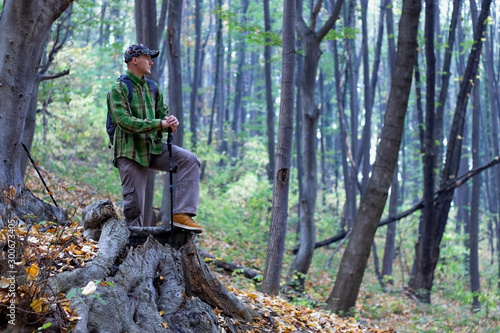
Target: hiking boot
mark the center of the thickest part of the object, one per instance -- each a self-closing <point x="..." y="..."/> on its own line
<point x="185" y="221"/>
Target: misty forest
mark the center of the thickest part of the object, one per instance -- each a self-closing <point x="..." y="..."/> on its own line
<point x="349" y="177"/>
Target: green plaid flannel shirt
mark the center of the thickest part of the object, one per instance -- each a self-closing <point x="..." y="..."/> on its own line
<point x="138" y="132"/>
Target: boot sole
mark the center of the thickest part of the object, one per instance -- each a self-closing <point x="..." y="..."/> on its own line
<point x="183" y="226"/>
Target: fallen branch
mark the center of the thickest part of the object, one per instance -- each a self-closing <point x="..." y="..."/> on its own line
<point x="459" y="181"/>
<point x="230" y="267"/>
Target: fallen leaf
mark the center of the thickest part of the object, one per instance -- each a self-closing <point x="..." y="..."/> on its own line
<point x="32" y="272"/>
<point x="89" y="288"/>
<point x="37" y="305"/>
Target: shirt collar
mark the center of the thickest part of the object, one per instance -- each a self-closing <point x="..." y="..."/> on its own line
<point x="135" y="78"/>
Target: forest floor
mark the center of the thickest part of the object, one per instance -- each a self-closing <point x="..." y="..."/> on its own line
<point x="376" y="311"/>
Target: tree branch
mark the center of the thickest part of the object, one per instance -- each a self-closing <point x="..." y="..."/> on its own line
<point x="331" y="21"/>
<point x="54" y="76"/>
<point x="453" y="185"/>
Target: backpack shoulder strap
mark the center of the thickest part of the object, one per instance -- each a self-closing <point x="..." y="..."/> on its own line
<point x="125" y="79"/>
<point x="152" y="84"/>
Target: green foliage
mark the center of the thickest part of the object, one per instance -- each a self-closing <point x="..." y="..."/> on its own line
<point x="342" y="33"/>
<point x="255" y="33"/>
<point x="43" y="327"/>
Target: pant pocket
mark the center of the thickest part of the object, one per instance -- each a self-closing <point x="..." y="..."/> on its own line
<point x="130" y="204"/>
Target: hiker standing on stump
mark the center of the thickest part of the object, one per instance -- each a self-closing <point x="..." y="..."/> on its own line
<point x="140" y="119"/>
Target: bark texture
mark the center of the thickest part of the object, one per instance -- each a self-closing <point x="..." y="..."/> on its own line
<point x="152" y="287"/>
<point x="353" y="264"/>
<point x="25" y="25"/>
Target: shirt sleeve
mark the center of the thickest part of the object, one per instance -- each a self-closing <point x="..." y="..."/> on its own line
<point x="120" y="112"/>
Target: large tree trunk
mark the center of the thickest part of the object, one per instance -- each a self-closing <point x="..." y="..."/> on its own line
<point x="25" y="25"/>
<point x="154" y="287"/>
<point x="353" y="264"/>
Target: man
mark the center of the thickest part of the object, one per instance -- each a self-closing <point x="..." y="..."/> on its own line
<point x="139" y="145"/>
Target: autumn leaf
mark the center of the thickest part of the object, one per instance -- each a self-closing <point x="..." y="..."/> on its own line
<point x="37" y="305"/>
<point x="32" y="272"/>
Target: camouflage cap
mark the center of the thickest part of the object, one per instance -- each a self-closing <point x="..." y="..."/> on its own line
<point x="136" y="50"/>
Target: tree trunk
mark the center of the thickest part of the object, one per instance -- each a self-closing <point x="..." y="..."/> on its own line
<point x="310" y="115"/>
<point x="219" y="101"/>
<point x="153" y="287"/>
<point x="474" y="208"/>
<point x="426" y="260"/>
<point x="350" y="189"/>
<point x="430" y="147"/>
<point x="174" y="67"/>
<point x="281" y="181"/>
<point x="239" y="86"/>
<point x="445" y="79"/>
<point x="298" y="132"/>
<point x="193" y="105"/>
<point x="390" y="238"/>
<point x="345" y="291"/>
<point x="25" y="25"/>
<point x="269" y="94"/>
<point x="370" y="87"/>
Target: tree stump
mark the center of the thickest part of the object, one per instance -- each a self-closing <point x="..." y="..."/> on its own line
<point x="145" y="284"/>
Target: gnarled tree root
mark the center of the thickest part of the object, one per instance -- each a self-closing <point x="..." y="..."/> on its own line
<point x="150" y="288"/>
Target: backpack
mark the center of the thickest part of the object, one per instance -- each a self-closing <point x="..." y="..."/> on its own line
<point x="110" y="125"/>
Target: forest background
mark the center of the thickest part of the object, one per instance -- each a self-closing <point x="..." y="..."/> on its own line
<point x="230" y="58"/>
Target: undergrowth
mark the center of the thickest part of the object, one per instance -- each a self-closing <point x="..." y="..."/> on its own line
<point x="236" y="217"/>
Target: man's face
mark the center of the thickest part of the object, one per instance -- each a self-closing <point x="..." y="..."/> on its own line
<point x="143" y="64"/>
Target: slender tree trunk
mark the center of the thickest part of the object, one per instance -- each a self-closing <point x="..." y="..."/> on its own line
<point x="390" y="238"/>
<point x="310" y="116"/>
<point x="220" y="98"/>
<point x="445" y="79"/>
<point x="269" y="94"/>
<point x="476" y="188"/>
<point x="393" y="203"/>
<point x="428" y="247"/>
<point x="281" y="182"/>
<point x="348" y="215"/>
<point x="193" y="111"/>
<point x="345" y="291"/>
<point x="174" y="67"/>
<point x="429" y="143"/>
<point x="352" y="90"/>
<point x="493" y="87"/>
<point x="239" y="89"/>
<point x="298" y="132"/>
<point x="146" y="32"/>
<point x="370" y="86"/>
<point x="216" y="84"/>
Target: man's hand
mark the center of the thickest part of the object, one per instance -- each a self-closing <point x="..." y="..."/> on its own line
<point x="170" y="121"/>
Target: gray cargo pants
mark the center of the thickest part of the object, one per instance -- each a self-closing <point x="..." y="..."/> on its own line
<point x="133" y="176"/>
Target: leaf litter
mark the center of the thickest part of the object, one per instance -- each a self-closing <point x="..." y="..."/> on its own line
<point x="56" y="249"/>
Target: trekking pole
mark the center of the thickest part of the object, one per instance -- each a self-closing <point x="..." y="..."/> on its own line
<point x="170" y="171"/>
<point x="39" y="174"/>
